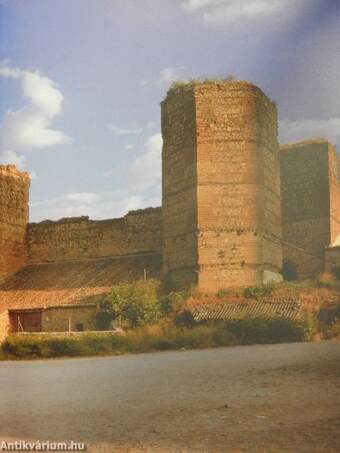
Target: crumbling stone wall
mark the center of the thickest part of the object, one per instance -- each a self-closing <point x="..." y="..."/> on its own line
<point x="14" y="188"/>
<point x="81" y="238"/>
<point x="310" y="204"/>
<point x="221" y="186"/>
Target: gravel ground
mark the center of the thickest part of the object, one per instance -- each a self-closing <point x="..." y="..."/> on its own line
<point x="248" y="398"/>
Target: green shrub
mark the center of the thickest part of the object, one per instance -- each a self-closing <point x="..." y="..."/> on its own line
<point x="184" y="318"/>
<point x="172" y="302"/>
<point x="334" y="330"/>
<point x="158" y="337"/>
<point x="105" y="316"/>
<point x="310" y="324"/>
<point x="254" y="292"/>
<point x="135" y="304"/>
<point x="31" y="346"/>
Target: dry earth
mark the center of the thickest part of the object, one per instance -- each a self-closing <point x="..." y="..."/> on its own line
<point x="269" y="398"/>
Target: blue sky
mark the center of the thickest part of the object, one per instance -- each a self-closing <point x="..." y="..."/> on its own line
<point x="81" y="82"/>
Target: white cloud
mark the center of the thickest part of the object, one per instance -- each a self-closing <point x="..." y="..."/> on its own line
<point x="291" y="131"/>
<point x="220" y="12"/>
<point x="145" y="170"/>
<point x="194" y="5"/>
<point x="30" y="128"/>
<point x="130" y="146"/>
<point x="165" y="78"/>
<point x="82" y="197"/>
<point x="119" y="131"/>
<point x="11" y="157"/>
<point x="168" y="75"/>
<point x="8" y="72"/>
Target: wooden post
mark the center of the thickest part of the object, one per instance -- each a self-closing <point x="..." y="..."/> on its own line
<point x="144" y="274"/>
<point x="20" y="325"/>
<point x="69" y="323"/>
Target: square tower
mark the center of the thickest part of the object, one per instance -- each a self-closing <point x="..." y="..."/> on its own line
<point x="14" y="193"/>
<point x="221" y="187"/>
<point x="310" y="205"/>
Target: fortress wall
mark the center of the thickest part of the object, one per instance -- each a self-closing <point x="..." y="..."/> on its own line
<point x="14" y="188"/>
<point x="81" y="238"/>
<point x="239" y="208"/>
<point x="179" y="190"/>
<point x="306" y="206"/>
<point x="221" y="190"/>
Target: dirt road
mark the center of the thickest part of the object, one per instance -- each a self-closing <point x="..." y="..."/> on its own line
<point x="250" y="398"/>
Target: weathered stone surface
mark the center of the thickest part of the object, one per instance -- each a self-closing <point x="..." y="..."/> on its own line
<point x="221" y="186"/>
<point x="310" y="204"/>
<point x="14" y="187"/>
<point x="75" y="318"/>
<point x="80" y="238"/>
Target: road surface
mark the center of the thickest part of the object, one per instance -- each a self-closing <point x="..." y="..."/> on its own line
<point x="248" y="398"/>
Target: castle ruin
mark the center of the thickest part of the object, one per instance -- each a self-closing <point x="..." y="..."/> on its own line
<point x="310" y="193"/>
<point x="237" y="210"/>
<point x="221" y="187"/>
<point x="14" y="193"/>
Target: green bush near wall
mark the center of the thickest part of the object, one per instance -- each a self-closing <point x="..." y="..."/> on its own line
<point x="157" y="337"/>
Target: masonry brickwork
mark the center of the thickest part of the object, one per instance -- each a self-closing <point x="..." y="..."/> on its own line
<point x="14" y="192"/>
<point x="221" y="186"/>
<point x="232" y="206"/>
<point x="310" y="205"/>
<point x="81" y="238"/>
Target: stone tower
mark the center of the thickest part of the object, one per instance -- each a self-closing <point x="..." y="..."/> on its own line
<point x="14" y="193"/>
<point x="221" y="186"/>
<point x="310" y="190"/>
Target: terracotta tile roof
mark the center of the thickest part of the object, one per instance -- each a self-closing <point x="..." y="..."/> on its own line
<point x="275" y="308"/>
<point x="73" y="282"/>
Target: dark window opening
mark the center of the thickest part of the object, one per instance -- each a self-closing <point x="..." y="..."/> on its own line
<point x="289" y="271"/>
<point x="80" y="327"/>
